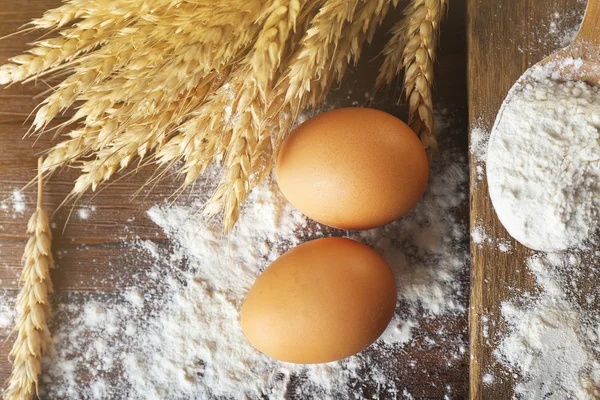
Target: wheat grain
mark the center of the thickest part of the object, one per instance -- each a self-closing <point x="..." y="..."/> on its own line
<point x="233" y="189"/>
<point x="33" y="306"/>
<point x="100" y="21"/>
<point x="135" y="137"/>
<point x="270" y="45"/>
<point x="172" y="56"/>
<point x="413" y="47"/>
<point x="314" y="68"/>
<point x="205" y="82"/>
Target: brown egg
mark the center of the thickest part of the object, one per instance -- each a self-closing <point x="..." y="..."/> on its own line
<point x="321" y="301"/>
<point x="353" y="168"/>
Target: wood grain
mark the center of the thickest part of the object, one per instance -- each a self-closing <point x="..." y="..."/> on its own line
<point x="96" y="254"/>
<point x="504" y="38"/>
<point x="590" y="27"/>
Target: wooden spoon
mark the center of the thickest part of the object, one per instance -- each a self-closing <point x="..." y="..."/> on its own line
<point x="585" y="46"/>
<point x="579" y="61"/>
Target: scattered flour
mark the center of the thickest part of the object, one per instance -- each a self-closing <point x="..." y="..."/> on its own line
<point x="482" y="238"/>
<point x="479" y="143"/>
<point x="479" y="235"/>
<point x="487" y="379"/>
<point x="543" y="171"/>
<point x="400" y="332"/>
<point x="83" y="213"/>
<point x="561" y="30"/>
<point x="552" y="342"/>
<point x="543" y="163"/>
<point x="15" y="204"/>
<point x="7" y="313"/>
<point x="18" y="201"/>
<point x="554" y="31"/>
<point x="175" y="332"/>
<point x="478" y="150"/>
<point x="504" y="246"/>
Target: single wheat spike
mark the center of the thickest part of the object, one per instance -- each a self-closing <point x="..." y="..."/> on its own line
<point x="413" y="47"/>
<point x="231" y="193"/>
<point x="270" y="46"/>
<point x="313" y="58"/>
<point x="33" y="306"/>
<point x="72" y="10"/>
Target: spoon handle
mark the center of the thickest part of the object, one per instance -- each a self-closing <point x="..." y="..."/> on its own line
<point x="589" y="33"/>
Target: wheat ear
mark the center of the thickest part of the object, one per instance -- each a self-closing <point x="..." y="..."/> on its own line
<point x="413" y="47"/>
<point x="249" y="143"/>
<point x="99" y="21"/>
<point x="322" y="59"/>
<point x="33" y="306"/>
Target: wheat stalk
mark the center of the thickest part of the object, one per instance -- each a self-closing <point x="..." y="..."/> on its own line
<point x="99" y="22"/>
<point x="33" y="306"/>
<point x="205" y="81"/>
<point x="157" y="58"/>
<point x="248" y="142"/>
<point x="323" y="58"/>
<point x="413" y="47"/>
<point x="232" y="191"/>
<point x="141" y="135"/>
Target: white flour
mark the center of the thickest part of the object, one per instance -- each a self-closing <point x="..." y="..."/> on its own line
<point x="552" y="342"/>
<point x="543" y="169"/>
<point x="479" y="143"/>
<point x="174" y="333"/>
<point x="543" y="162"/>
<point x="478" y="146"/>
<point x="550" y="346"/>
<point x="15" y="204"/>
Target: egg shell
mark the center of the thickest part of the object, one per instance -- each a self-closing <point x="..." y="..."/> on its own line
<point x="321" y="301"/>
<point x="353" y="168"/>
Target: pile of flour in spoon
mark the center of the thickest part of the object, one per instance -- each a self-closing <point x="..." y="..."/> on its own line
<point x="543" y="162"/>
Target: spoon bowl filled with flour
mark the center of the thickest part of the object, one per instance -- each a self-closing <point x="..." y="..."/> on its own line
<point x="543" y="161"/>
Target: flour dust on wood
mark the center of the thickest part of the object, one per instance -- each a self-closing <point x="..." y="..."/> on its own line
<point x="175" y="333"/>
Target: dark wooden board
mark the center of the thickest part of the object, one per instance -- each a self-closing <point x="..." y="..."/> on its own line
<point x="504" y="39"/>
<point x="90" y="252"/>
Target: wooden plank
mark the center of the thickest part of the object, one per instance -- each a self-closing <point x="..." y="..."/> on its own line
<point x="504" y="39"/>
<point x="91" y="253"/>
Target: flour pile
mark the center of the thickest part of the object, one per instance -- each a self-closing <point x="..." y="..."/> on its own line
<point x="543" y="170"/>
<point x="175" y="332"/>
<point x="553" y="342"/>
<point x="543" y="162"/>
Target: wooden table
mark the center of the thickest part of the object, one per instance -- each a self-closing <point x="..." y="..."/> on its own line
<point x="89" y="251"/>
<point x="505" y="38"/>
